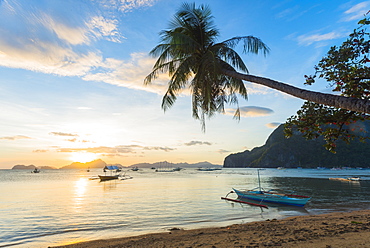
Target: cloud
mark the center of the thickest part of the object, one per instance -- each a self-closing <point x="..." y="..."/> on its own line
<point x="158" y="148"/>
<point x="40" y="150"/>
<point x="101" y="149"/>
<point x="273" y="124"/>
<point x="127" y="5"/>
<point x="49" y="42"/>
<point x="309" y="39"/>
<point x="251" y="111"/>
<point x="105" y="28"/>
<point x="84" y="108"/>
<point x="63" y="134"/>
<point x="116" y="150"/>
<point x="71" y="35"/>
<point x="357" y="12"/>
<point x="257" y="89"/>
<point x="222" y="151"/>
<point x="16" y="137"/>
<point x="194" y="142"/>
<point x="129" y="74"/>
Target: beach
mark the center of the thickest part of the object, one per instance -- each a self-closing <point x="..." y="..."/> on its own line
<point x="338" y="229"/>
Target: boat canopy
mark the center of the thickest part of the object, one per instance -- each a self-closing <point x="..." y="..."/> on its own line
<point x="111" y="167"/>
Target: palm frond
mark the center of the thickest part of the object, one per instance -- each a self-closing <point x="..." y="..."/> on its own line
<point x="251" y="44"/>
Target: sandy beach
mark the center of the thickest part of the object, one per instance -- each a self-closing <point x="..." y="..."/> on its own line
<point x="348" y="229"/>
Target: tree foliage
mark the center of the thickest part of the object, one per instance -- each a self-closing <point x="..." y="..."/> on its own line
<point x="346" y="69"/>
<point x="192" y="57"/>
<point x="190" y="54"/>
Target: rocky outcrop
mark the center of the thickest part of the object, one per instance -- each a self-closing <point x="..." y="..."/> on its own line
<point x="296" y="151"/>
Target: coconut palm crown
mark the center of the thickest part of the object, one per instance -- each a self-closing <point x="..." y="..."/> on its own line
<point x="192" y="57"/>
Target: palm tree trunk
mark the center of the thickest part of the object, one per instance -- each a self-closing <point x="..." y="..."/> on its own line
<point x="349" y="103"/>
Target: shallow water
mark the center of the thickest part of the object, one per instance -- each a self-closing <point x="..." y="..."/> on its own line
<point x="58" y="207"/>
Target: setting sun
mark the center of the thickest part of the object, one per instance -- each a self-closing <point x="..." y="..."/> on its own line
<point x="83" y="157"/>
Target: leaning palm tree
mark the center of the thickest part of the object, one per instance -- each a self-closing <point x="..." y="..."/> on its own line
<point x="193" y="58"/>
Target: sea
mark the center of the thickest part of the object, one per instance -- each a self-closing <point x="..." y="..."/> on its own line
<point x="58" y="207"/>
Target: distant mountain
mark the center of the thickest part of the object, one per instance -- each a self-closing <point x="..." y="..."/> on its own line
<point x="23" y="167"/>
<point x="101" y="164"/>
<point x="47" y="168"/>
<point x="182" y="165"/>
<point x="32" y="167"/>
<point x="93" y="164"/>
<point x="296" y="151"/>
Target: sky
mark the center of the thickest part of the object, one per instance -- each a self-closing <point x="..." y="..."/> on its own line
<point x="72" y="72"/>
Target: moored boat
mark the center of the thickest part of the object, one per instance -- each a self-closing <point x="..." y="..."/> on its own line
<point x="106" y="178"/>
<point x="272" y="196"/>
<point x="113" y="170"/>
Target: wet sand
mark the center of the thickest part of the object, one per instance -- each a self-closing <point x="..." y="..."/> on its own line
<point x="334" y="230"/>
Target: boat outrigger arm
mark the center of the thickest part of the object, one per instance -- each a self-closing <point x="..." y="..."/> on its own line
<point x="245" y="202"/>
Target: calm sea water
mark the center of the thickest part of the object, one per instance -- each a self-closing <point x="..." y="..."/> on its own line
<point x="58" y="207"/>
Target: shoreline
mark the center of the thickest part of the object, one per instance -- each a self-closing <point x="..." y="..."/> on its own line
<point x="338" y="229"/>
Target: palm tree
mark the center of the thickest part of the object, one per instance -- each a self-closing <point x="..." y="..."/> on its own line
<point x="192" y="57"/>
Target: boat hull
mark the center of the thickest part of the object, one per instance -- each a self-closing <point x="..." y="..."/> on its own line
<point x="106" y="178"/>
<point x="273" y="198"/>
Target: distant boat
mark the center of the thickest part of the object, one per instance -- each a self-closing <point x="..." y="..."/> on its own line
<point x="113" y="170"/>
<point x="106" y="178"/>
<point x="273" y="196"/>
<point x="177" y="169"/>
<point x="88" y="169"/>
<point x="36" y="171"/>
<point x="135" y="168"/>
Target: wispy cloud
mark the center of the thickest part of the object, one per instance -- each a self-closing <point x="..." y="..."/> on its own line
<point x="273" y="124"/>
<point x="63" y="134"/>
<point x="158" y="148"/>
<point x="309" y="39"/>
<point x="103" y="28"/>
<point x="222" y="151"/>
<point x="195" y="142"/>
<point x="16" y="137"/>
<point x="127" y="5"/>
<point x="116" y="150"/>
<point x="47" y="43"/>
<point x="357" y="12"/>
<point x="50" y="44"/>
<point x="251" y="111"/>
<point x="40" y="150"/>
<point x="84" y="108"/>
<point x="129" y="74"/>
<point x="71" y="35"/>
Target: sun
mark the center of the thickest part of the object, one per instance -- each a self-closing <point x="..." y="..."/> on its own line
<point x="83" y="157"/>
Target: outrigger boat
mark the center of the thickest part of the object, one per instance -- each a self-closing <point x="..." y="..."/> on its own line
<point x="113" y="173"/>
<point x="272" y="196"/>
